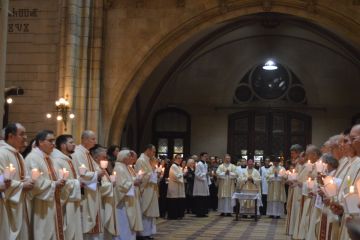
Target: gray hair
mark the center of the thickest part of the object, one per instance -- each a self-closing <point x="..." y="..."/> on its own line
<point x="190" y="161"/>
<point x="330" y="160"/>
<point x="97" y="151"/>
<point x="122" y="155"/>
<point x="296" y="148"/>
<point x="313" y="149"/>
<point x="87" y="134"/>
<point x="334" y="140"/>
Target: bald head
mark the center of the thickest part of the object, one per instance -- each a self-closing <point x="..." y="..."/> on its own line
<point x="355" y="138"/>
<point x="88" y="139"/>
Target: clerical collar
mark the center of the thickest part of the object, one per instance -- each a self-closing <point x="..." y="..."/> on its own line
<point x="267" y="166"/>
<point x="243" y="166"/>
<point x="177" y="164"/>
<point x="202" y="161"/>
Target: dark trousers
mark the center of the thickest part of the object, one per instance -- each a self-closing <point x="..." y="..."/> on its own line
<point x="213" y="199"/>
<point x="189" y="205"/>
<point x="264" y="202"/>
<point x="201" y="206"/>
<point x="176" y="208"/>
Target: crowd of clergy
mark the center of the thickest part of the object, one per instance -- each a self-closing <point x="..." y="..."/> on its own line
<point x="53" y="189"/>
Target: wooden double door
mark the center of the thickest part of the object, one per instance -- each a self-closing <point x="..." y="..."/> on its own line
<point x="260" y="134"/>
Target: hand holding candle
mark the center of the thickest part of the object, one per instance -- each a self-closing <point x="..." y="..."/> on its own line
<point x="104" y="164"/>
<point x="35" y="174"/>
<point x="82" y="170"/>
<point x="310" y="184"/>
<point x="140" y="174"/>
<point x="9" y="172"/>
<point x="113" y="177"/>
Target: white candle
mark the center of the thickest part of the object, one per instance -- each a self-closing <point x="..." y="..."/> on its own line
<point x="35" y="174"/>
<point x="139" y="175"/>
<point x="113" y="177"/>
<point x="103" y="164"/>
<point x="310" y="184"/>
<point x="351" y="189"/>
<point x="319" y="166"/>
<point x="351" y="202"/>
<point x="309" y="165"/>
<point x="82" y="169"/>
<point x="331" y="189"/>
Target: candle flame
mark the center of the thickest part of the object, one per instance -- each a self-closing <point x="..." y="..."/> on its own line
<point x="114" y="173"/>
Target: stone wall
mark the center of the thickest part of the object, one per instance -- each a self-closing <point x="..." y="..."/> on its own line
<point x="32" y="61"/>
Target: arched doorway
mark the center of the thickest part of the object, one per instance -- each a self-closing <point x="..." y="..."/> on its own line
<point x="319" y="14"/>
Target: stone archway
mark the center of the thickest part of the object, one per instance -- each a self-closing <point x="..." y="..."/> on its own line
<point x="329" y="17"/>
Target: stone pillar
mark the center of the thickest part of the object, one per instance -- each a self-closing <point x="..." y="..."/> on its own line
<point x="80" y="61"/>
<point x="4" y="4"/>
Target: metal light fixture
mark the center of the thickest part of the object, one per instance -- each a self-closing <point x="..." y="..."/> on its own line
<point x="63" y="112"/>
<point x="270" y="65"/>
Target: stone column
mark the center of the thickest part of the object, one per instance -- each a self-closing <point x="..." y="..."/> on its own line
<point x="4" y="4"/>
<point x="80" y="61"/>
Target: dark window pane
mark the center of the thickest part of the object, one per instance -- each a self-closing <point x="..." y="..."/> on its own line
<point x="260" y="123"/>
<point x="241" y="125"/>
<point x="278" y="124"/>
<point x="297" y="125"/>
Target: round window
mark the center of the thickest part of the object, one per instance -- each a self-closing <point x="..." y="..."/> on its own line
<point x="270" y="84"/>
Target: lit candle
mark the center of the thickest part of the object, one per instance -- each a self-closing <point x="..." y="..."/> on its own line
<point x="331" y="189"/>
<point x="319" y="166"/>
<point x="139" y="175"/>
<point x="309" y="165"/>
<point x="103" y="164"/>
<point x="113" y="177"/>
<point x="310" y="184"/>
<point x="82" y="169"/>
<point x="35" y="174"/>
<point x="351" y="202"/>
<point x="351" y="189"/>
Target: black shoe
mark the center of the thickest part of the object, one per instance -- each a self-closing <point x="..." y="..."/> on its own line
<point x="222" y="214"/>
<point x="228" y="215"/>
<point x="277" y="217"/>
<point x="271" y="216"/>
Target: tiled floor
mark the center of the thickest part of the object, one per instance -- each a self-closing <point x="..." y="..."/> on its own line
<point x="216" y="227"/>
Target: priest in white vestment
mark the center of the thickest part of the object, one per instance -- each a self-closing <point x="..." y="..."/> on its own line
<point x="149" y="190"/>
<point x="249" y="180"/>
<point x="90" y="174"/>
<point x="226" y="174"/>
<point x="291" y="207"/>
<point x="127" y="196"/>
<point x="108" y="209"/>
<point x="46" y="211"/>
<point x="14" y="222"/>
<point x="176" y="190"/>
<point x="276" y="196"/>
<point x="71" y="197"/>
